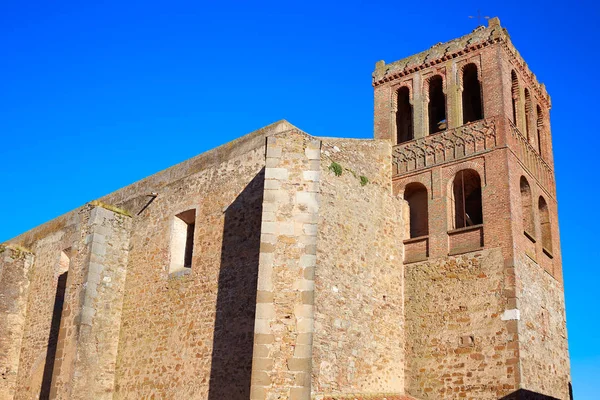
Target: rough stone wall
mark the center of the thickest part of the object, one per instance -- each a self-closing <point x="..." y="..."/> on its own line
<point x="15" y="265"/>
<point x="359" y="331"/>
<point x="283" y="333"/>
<point x="38" y="349"/>
<point x="542" y="331"/>
<point x="460" y="342"/>
<point x="189" y="336"/>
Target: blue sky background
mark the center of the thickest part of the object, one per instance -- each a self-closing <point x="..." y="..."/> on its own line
<point x="97" y="95"/>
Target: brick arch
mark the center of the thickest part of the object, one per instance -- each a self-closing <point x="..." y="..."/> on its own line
<point x="396" y="88"/>
<point x="426" y="79"/>
<point x="399" y="186"/>
<point x="478" y="165"/>
<point x="461" y="70"/>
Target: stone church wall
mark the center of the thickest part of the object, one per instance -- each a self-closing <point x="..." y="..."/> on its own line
<point x="190" y="335"/>
<point x="359" y="329"/>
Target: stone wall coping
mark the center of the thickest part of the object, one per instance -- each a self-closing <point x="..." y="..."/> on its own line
<point x="153" y="183"/>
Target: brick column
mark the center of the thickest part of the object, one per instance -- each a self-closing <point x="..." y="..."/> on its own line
<point x="282" y="359"/>
<point x="421" y="126"/>
<point x="453" y="96"/>
<point x="15" y="264"/>
<point x="88" y="340"/>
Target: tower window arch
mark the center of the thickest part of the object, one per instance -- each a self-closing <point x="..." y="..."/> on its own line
<point x="415" y="195"/>
<point x="526" y="207"/>
<point x="404" y="116"/>
<point x="527" y="114"/>
<point x="437" y="105"/>
<point x="545" y="226"/>
<point x="466" y="199"/>
<point x="514" y="94"/>
<point x="540" y="128"/>
<point x="471" y="94"/>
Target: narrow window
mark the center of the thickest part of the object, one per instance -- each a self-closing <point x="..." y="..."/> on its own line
<point x="404" y="116"/>
<point x="415" y="195"/>
<point x="540" y="129"/>
<point x="514" y="92"/>
<point x="545" y="226"/>
<point x="467" y="199"/>
<point x="182" y="240"/>
<point x="437" y="105"/>
<point x="527" y="114"/>
<point x="527" y="207"/>
<point x="471" y="95"/>
<point x="57" y="309"/>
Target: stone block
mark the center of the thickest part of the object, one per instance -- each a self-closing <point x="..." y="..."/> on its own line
<point x="312" y="154"/>
<point x="281" y="174"/>
<point x="311" y="176"/>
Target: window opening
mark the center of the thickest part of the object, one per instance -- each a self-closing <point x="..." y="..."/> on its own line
<point x="545" y="226"/>
<point x="404" y="116"/>
<point x="182" y="240"/>
<point x="471" y="95"/>
<point x="514" y="91"/>
<point x="526" y="207"/>
<point x="437" y="105"/>
<point x="467" y="199"/>
<point x="527" y="114"/>
<point x="415" y="195"/>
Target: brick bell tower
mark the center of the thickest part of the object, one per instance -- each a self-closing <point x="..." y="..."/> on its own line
<point x="472" y="158"/>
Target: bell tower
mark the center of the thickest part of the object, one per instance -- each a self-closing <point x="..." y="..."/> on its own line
<point x="472" y="158"/>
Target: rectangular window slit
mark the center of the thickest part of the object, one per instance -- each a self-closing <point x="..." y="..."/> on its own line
<point x="182" y="240"/>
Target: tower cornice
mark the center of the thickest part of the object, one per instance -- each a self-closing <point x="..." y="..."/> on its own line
<point x="480" y="37"/>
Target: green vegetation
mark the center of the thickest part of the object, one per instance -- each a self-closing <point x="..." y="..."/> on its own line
<point x="336" y="168"/>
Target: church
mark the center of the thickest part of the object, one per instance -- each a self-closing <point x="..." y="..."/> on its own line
<point x="422" y="264"/>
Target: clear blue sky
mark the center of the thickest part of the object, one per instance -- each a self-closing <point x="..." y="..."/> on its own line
<point x="97" y="95"/>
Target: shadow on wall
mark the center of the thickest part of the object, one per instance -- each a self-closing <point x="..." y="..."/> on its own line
<point x="236" y="300"/>
<point x="523" y="394"/>
<point x="53" y="336"/>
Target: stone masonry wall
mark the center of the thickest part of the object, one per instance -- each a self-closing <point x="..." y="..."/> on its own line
<point x="460" y="342"/>
<point x="44" y="307"/>
<point x="542" y="331"/>
<point x="190" y="335"/>
<point x="359" y="331"/>
<point x="15" y="265"/>
<point x="283" y="336"/>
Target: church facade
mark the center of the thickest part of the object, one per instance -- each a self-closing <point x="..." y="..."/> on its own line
<point x="422" y="264"/>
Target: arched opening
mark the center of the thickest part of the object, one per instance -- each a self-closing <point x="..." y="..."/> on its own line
<point x="437" y="105"/>
<point x="540" y="129"/>
<point x="404" y="116"/>
<point x="466" y="192"/>
<point x="415" y="195"/>
<point x="54" y="334"/>
<point x="545" y="226"/>
<point x="527" y="207"/>
<point x="471" y="95"/>
<point x="527" y="114"/>
<point x="514" y="94"/>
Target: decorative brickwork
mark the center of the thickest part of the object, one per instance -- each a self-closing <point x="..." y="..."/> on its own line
<point x="445" y="146"/>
